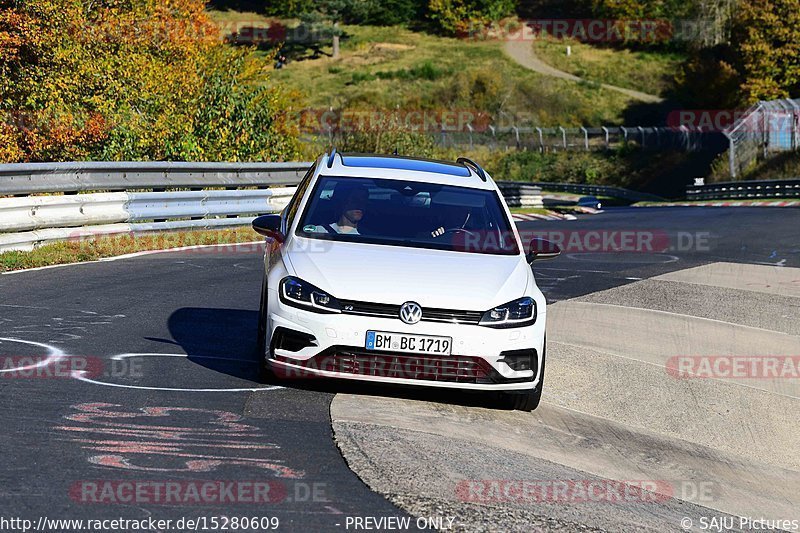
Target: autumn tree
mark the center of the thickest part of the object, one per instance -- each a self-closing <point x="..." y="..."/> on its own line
<point x="463" y="16"/>
<point x="766" y="38"/>
<point x="131" y="79"/>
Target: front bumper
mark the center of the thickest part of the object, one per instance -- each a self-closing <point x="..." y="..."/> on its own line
<point x="337" y="350"/>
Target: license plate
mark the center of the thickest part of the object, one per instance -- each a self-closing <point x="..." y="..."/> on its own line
<point x="404" y="342"/>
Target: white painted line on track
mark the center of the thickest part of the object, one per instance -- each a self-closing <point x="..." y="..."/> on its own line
<point x="54" y="354"/>
<point x="80" y="376"/>
<point x="122" y="356"/>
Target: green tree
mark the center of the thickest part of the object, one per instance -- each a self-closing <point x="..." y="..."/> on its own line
<point x="324" y="18"/>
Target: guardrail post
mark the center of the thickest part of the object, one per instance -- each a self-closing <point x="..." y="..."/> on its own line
<point x="541" y="140"/>
<point x="605" y="131"/>
<point x="585" y="138"/>
<point x="731" y="154"/>
<point x="564" y="137"/>
<point x="624" y="135"/>
<point x="686" y="141"/>
<point x="641" y="132"/>
<point x="516" y="135"/>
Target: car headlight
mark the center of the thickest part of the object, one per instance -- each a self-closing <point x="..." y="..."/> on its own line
<point x="298" y="293"/>
<point x="521" y="312"/>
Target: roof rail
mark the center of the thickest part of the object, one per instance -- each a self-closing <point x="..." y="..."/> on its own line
<point x="475" y="166"/>
<point x="331" y="157"/>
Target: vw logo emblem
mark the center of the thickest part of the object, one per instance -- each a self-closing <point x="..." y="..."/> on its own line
<point x="410" y="312"/>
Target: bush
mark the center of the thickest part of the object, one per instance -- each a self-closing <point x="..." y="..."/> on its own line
<point x="562" y="167"/>
<point x="424" y="71"/>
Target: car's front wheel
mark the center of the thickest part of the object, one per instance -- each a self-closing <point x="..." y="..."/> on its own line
<point x="527" y="400"/>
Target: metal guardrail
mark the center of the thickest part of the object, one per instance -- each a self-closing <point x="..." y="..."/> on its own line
<point x="745" y="189"/>
<point x="208" y="195"/>
<point x="594" y="190"/>
<point x="29" y="178"/>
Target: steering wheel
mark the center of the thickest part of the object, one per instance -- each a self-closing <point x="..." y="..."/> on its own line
<point x="460" y="230"/>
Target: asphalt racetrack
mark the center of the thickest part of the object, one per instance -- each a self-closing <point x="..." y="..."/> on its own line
<point x="129" y="390"/>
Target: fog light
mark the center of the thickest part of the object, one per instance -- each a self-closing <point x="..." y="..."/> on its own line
<point x="519" y="360"/>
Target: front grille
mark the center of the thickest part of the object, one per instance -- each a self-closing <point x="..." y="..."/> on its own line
<point x="370" y="309"/>
<point x="454" y="369"/>
<point x="457" y="317"/>
<point x="428" y="314"/>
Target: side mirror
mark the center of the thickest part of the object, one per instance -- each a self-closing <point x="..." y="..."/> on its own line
<point x="542" y="249"/>
<point x="269" y="226"/>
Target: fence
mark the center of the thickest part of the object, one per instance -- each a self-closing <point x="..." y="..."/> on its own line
<point x="762" y="130"/>
<point x="200" y="195"/>
<point x="560" y="138"/>
<point x="745" y="189"/>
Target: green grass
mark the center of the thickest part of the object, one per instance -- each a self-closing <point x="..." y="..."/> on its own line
<point x="646" y="71"/>
<point x="389" y="68"/>
<point x="530" y="211"/>
<point x="60" y="253"/>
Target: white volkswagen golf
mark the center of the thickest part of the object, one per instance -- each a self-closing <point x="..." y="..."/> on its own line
<point x="405" y="271"/>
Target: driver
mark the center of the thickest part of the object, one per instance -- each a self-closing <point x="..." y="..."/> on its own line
<point x="351" y="203"/>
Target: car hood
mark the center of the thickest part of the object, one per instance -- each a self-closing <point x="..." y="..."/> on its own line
<point x="397" y="274"/>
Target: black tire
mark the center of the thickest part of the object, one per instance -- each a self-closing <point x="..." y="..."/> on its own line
<point x="265" y="373"/>
<point x="527" y="400"/>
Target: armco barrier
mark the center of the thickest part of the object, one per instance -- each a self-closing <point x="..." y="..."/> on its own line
<point x="139" y="197"/>
<point x="208" y="195"/>
<point x="594" y="190"/>
<point x="745" y="189"/>
<point x="29" y="178"/>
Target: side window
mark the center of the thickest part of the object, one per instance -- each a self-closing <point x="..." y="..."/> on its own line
<point x="291" y="209"/>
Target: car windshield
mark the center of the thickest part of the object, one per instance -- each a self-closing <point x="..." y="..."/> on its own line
<point x="408" y="213"/>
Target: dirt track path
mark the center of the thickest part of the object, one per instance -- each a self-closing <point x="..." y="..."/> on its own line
<point x="521" y="51"/>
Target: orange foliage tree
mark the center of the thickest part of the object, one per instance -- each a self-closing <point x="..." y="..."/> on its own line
<point x="132" y="79"/>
